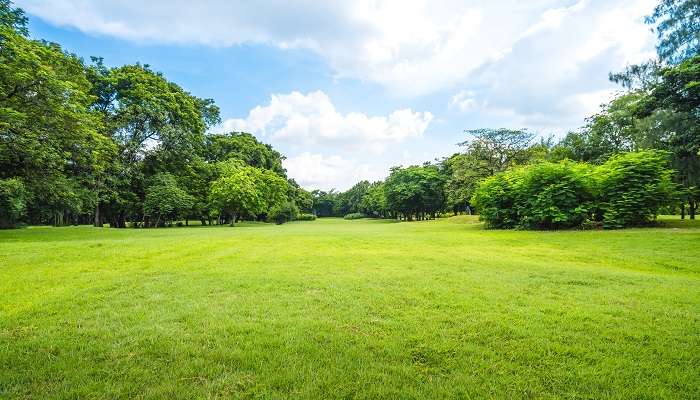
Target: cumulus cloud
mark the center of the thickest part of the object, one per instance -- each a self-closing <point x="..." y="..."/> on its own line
<point x="411" y="47"/>
<point x="556" y="73"/>
<point x="316" y="171"/>
<point x="312" y="119"/>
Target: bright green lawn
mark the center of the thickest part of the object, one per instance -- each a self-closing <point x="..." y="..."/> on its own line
<point x="350" y="309"/>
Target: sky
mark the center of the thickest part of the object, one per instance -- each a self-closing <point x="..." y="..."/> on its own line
<point x="347" y="89"/>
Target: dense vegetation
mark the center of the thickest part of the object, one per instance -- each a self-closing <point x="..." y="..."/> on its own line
<point x="81" y="142"/>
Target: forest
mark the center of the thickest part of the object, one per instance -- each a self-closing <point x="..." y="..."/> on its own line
<point x="82" y="143"/>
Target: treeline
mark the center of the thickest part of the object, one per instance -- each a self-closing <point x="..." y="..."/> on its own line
<point x="637" y="157"/>
<point x="84" y="143"/>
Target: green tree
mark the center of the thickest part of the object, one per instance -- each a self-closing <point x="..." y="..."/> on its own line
<point x="49" y="137"/>
<point x="165" y="201"/>
<point x="152" y="121"/>
<point x="13" y="202"/>
<point x="245" y="147"/>
<point x="243" y="190"/>
<point x="677" y="29"/>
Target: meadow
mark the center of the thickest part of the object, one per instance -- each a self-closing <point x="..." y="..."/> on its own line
<point x="350" y="309"/>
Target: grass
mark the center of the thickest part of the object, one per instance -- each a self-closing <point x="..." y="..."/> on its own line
<point x="350" y="309"/>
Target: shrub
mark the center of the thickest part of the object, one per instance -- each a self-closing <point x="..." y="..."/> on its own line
<point x="306" y="217"/>
<point x="627" y="190"/>
<point x="553" y="195"/>
<point x="355" y="216"/>
<point x="283" y="212"/>
<point x="495" y="199"/>
<point x="633" y="187"/>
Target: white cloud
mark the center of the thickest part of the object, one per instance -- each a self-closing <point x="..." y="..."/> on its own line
<point x="556" y="74"/>
<point x="311" y="119"/>
<point x="464" y="100"/>
<point x="316" y="171"/>
<point x="411" y="47"/>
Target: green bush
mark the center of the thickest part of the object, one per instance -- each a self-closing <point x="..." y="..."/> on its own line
<point x="628" y="190"/>
<point x="634" y="187"/>
<point x="355" y="216"/>
<point x="306" y="217"/>
<point x="553" y="195"/>
<point x="495" y="199"/>
<point x="283" y="212"/>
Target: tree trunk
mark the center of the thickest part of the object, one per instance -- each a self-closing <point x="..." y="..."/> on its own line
<point x="691" y="209"/>
<point x="98" y="222"/>
<point x="233" y="219"/>
<point x="683" y="210"/>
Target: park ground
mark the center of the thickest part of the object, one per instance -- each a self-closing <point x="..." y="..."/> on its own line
<point x="350" y="309"/>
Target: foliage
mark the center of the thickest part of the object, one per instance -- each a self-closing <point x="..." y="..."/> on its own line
<point x="245" y="147"/>
<point x="415" y="191"/>
<point x="349" y="201"/>
<point x="495" y="150"/>
<point x="13" y="202"/>
<point x="627" y="190"/>
<point x="677" y="29"/>
<point x="165" y="200"/>
<point x="244" y="190"/>
<point x="633" y="186"/>
<point x="355" y="216"/>
<point x="324" y="202"/>
<point x="554" y="195"/>
<point x="373" y="202"/>
<point x="496" y="199"/>
<point x="283" y="212"/>
<point x="305" y="217"/>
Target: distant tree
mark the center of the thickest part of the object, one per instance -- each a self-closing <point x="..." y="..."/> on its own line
<point x="373" y="202"/>
<point x="349" y="201"/>
<point x="243" y="190"/>
<point x="283" y="212"/>
<point x="324" y="202"/>
<point x="165" y="201"/>
<point x="302" y="199"/>
<point x="415" y="191"/>
<point x="494" y="150"/>
<point x="13" y="202"/>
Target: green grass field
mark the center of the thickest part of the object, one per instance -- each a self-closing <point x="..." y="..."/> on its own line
<point x="350" y="309"/>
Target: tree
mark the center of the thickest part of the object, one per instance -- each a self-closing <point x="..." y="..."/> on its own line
<point x="349" y="201"/>
<point x="324" y="202"/>
<point x="677" y="29"/>
<point x="13" y="202"/>
<point x="373" y="202"/>
<point x="494" y="150"/>
<point x="245" y="147"/>
<point x="147" y="117"/>
<point x="244" y="190"/>
<point x="415" y="191"/>
<point x="165" y="200"/>
<point x="49" y="137"/>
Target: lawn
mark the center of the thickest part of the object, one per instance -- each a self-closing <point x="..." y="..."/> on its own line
<point x="350" y="309"/>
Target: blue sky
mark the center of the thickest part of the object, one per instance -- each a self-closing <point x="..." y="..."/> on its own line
<point x="348" y="89"/>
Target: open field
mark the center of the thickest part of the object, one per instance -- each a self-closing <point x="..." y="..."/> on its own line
<point x="350" y="309"/>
